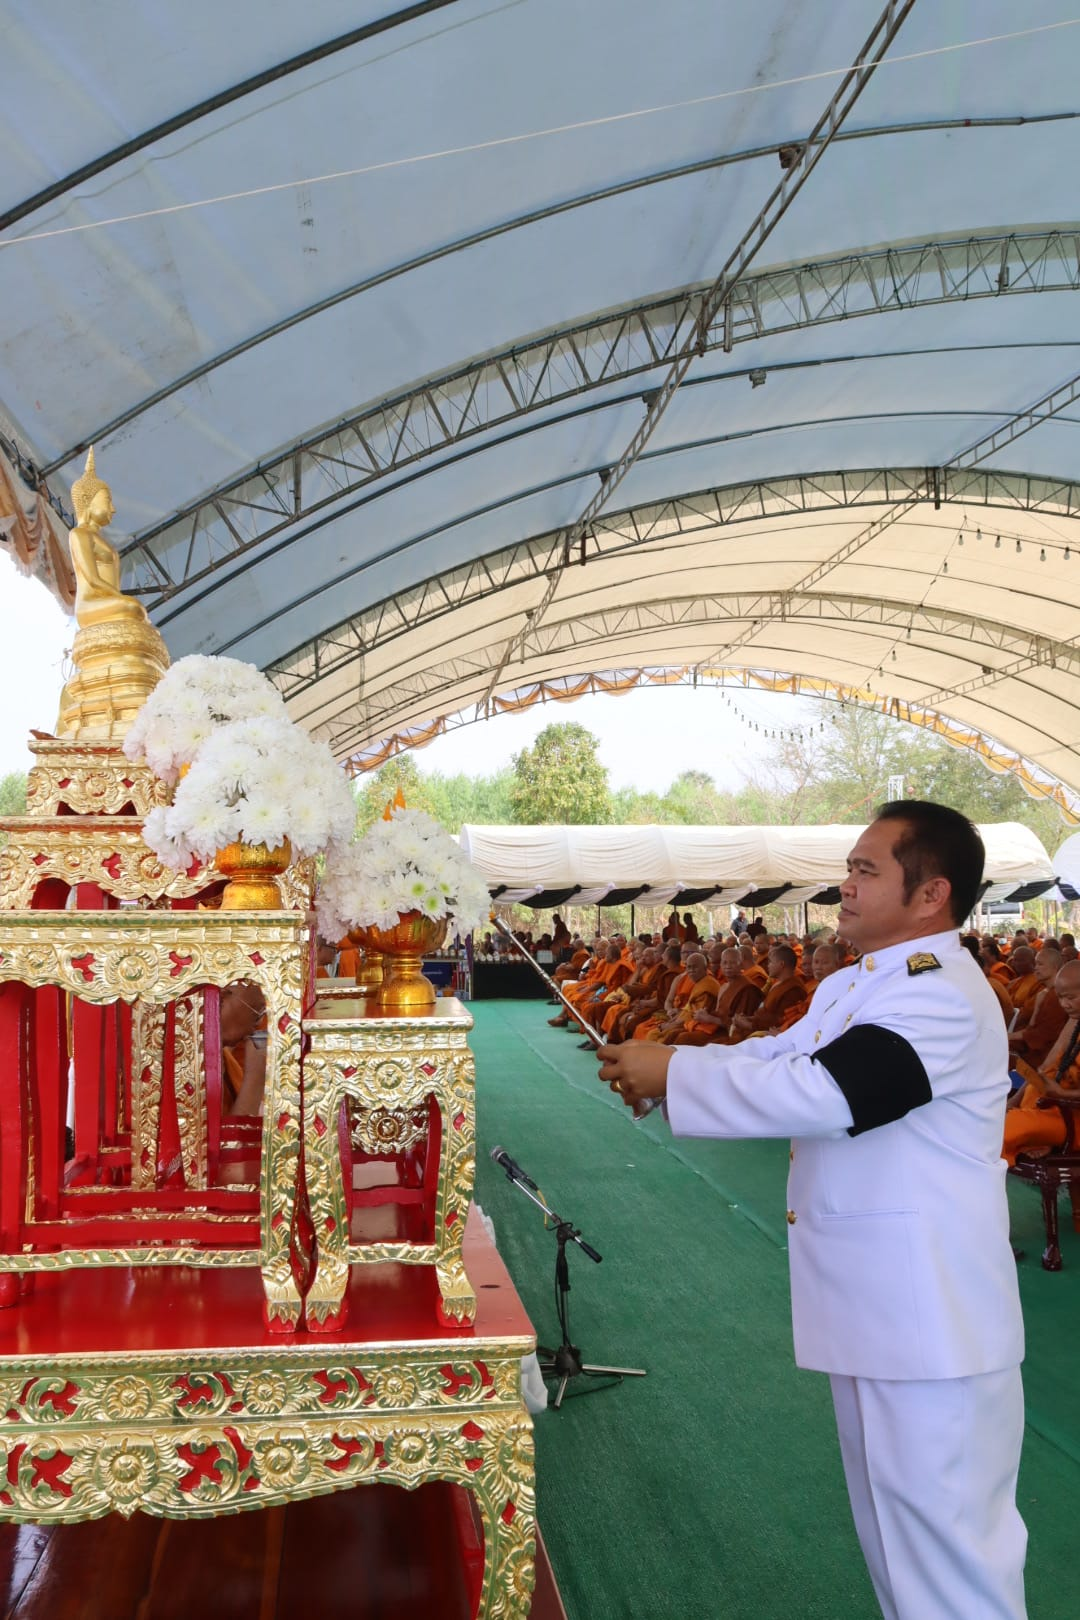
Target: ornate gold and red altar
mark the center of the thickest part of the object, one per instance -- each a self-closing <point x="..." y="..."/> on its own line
<point x="204" y="1312"/>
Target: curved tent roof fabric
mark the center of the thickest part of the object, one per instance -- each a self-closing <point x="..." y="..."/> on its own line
<point x="672" y="859"/>
<point x="355" y="345"/>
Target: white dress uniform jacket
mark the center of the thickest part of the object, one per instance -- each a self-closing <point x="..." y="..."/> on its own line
<point x="893" y="1089"/>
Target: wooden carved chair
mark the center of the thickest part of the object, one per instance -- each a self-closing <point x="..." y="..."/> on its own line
<point x="1054" y="1172"/>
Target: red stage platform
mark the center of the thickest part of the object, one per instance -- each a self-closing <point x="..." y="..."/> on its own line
<point x="161" y="1390"/>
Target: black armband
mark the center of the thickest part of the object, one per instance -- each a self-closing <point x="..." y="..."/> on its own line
<point x="881" y="1075"/>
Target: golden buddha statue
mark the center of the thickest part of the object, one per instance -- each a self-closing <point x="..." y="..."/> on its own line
<point x="98" y="597"/>
<point x="119" y="657"/>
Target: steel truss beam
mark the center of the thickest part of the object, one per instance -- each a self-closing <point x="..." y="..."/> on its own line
<point x="801" y="161"/>
<point x="569" y="688"/>
<point x="550" y="210"/>
<point x="988" y="444"/>
<point x="404" y="694"/>
<point x="618" y="534"/>
<point x="421" y="423"/>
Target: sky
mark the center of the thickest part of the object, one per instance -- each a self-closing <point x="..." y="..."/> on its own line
<point x="646" y="738"/>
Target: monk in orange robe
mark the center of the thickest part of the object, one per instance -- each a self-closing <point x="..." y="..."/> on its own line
<point x="697" y="989"/>
<point x="1039" y="1023"/>
<point x="709" y="1025"/>
<point x="614" y="971"/>
<point x="825" y="962"/>
<point x="753" y="970"/>
<point x="675" y="1000"/>
<point x="1025" y="986"/>
<point x="348" y="962"/>
<point x="587" y="977"/>
<point x="781" y="993"/>
<point x="994" y="963"/>
<point x="642" y="1008"/>
<point x="637" y="987"/>
<point x="1027" y="1126"/>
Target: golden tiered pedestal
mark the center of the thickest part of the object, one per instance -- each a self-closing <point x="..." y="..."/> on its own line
<point x="162" y="1393"/>
<point x="409" y="1084"/>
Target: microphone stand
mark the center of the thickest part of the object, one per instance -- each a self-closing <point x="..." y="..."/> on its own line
<point x="564" y="1361"/>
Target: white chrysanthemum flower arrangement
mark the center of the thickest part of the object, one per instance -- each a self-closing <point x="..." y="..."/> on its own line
<point x="192" y="700"/>
<point x="408" y="863"/>
<point x="253" y="776"/>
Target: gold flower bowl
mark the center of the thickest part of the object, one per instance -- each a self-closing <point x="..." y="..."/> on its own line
<point x="403" y="948"/>
<point x="252" y="871"/>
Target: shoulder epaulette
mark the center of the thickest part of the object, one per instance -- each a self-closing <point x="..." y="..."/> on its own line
<point x="922" y="962"/>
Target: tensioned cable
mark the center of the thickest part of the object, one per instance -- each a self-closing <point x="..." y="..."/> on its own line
<point x="532" y="135"/>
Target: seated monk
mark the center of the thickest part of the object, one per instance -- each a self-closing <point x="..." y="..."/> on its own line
<point x="971" y="943"/>
<point x="782" y="991"/>
<point x="348" y="959"/>
<point x="1025" y="986"/>
<point x="698" y="990"/>
<point x="824" y="962"/>
<point x="571" y="988"/>
<point x="753" y="970"/>
<point x="737" y="994"/>
<point x="637" y="988"/>
<point x="654" y="1000"/>
<point x="994" y="964"/>
<point x="615" y="969"/>
<point x="579" y="957"/>
<point x="1039" y="1023"/>
<point x="325" y="960"/>
<point x="1029" y="1128"/>
<point x="648" y="1029"/>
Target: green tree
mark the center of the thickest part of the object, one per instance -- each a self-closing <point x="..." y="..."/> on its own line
<point x="459" y="799"/>
<point x="12" y="797"/>
<point x="377" y="790"/>
<point x="13" y="794"/>
<point x="560" y="780"/>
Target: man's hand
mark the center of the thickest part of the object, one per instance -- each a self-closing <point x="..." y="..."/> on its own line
<point x="635" y="1069"/>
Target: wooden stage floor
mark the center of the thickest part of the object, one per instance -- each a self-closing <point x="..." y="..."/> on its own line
<point x="373" y="1553"/>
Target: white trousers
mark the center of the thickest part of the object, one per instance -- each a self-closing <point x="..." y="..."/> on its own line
<point x="931" y="1472"/>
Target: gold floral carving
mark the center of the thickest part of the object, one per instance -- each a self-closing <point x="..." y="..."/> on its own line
<point x="388" y="1069"/>
<point x="111" y="854"/>
<point x="147" y="1068"/>
<point x="90" y="780"/>
<point x="94" y="1435"/>
<point x="189" y="1087"/>
<point x="161" y="957"/>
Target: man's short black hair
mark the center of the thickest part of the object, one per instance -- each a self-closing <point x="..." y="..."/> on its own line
<point x="937" y="842"/>
<point x="785" y="954"/>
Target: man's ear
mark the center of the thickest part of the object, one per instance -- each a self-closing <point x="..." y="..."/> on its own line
<point x="937" y="891"/>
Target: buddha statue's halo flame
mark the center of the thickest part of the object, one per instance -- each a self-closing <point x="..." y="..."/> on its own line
<point x="85" y="488"/>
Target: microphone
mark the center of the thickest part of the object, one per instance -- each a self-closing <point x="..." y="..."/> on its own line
<point x="513" y="1170"/>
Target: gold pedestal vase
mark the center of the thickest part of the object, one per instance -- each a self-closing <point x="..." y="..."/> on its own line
<point x="252" y="871"/>
<point x="405" y="989"/>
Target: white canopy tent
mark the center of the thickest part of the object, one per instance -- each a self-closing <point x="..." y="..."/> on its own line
<point x="546" y="866"/>
<point x="373" y="315"/>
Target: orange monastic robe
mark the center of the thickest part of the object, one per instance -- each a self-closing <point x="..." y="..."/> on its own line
<point x="656" y="1021"/>
<point x="799" y="1009"/>
<point x="702" y="994"/>
<point x="1007" y="1008"/>
<point x="1002" y="973"/>
<point x="627" y="994"/>
<point x="1022" y="992"/>
<point x="779" y="998"/>
<point x="737" y="996"/>
<point x="1027" y="1126"/>
<point x="757" y="975"/>
<point x="348" y="962"/>
<point x="1040" y="1027"/>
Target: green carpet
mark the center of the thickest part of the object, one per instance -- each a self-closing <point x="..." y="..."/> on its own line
<point x="712" y="1489"/>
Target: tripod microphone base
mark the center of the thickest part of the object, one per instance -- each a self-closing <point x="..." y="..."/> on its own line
<point x="565" y="1363"/>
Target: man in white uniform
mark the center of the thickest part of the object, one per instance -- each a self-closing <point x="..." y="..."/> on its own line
<point x="903" y="1284"/>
